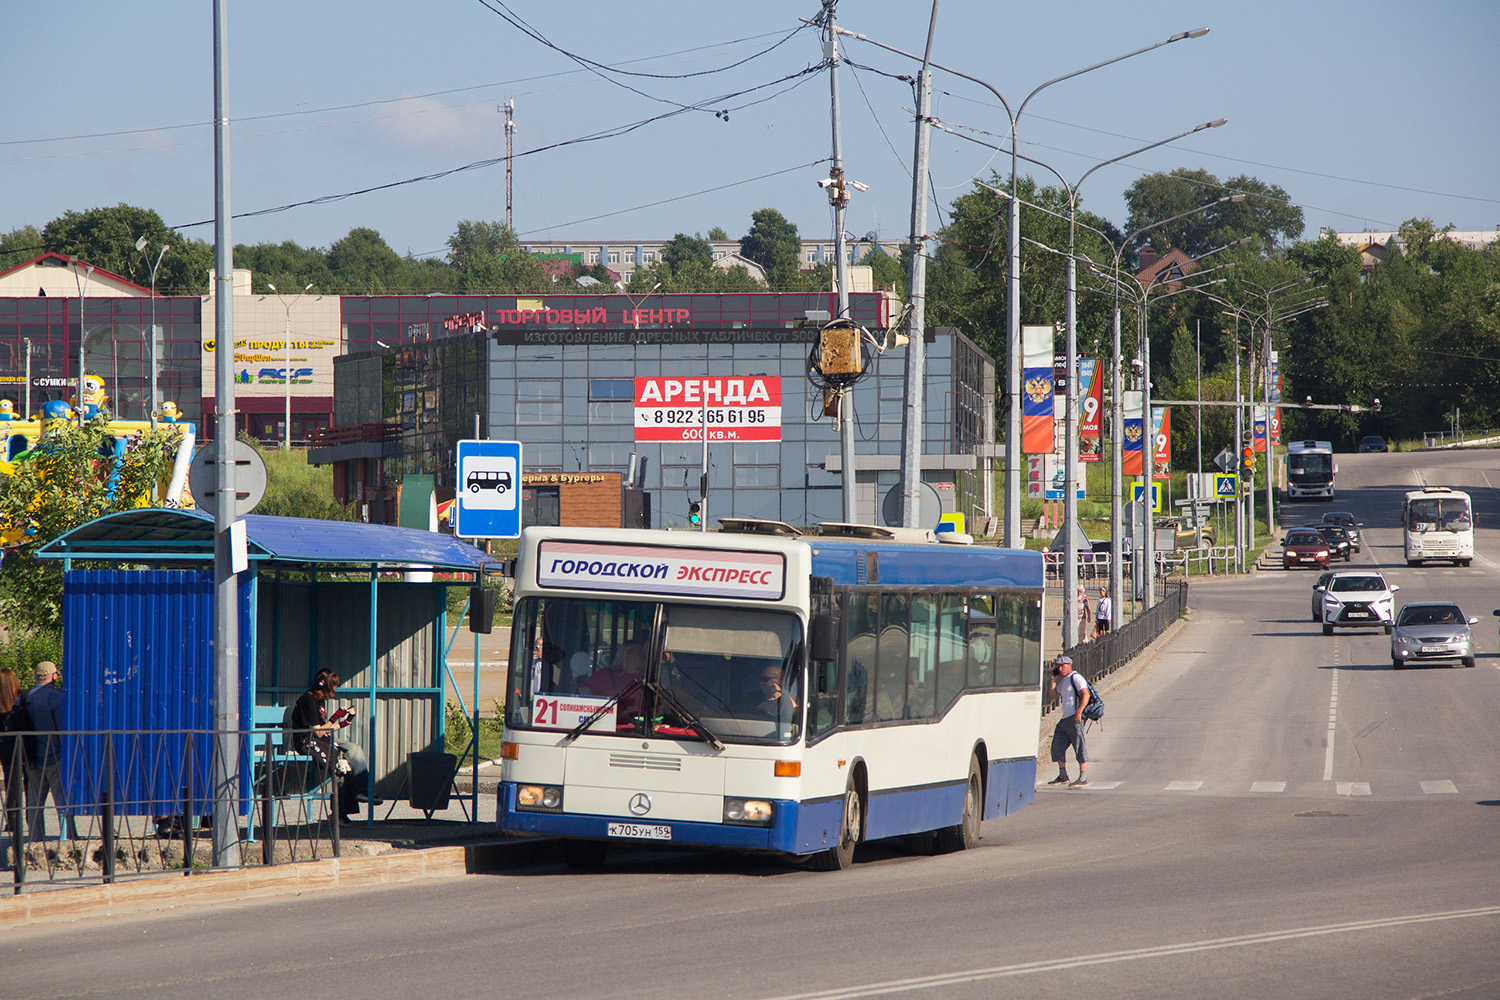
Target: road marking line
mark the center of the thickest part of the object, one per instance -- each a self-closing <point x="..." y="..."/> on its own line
<point x="1183" y="786"/>
<point x="1268" y="786"/>
<point x="966" y="976"/>
<point x="1333" y="718"/>
<point x="1439" y="788"/>
<point x="1348" y="788"/>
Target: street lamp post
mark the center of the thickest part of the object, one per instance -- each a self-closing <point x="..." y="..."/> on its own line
<point x="286" y="349"/>
<point x="82" y="294"/>
<point x="1012" y="536"/>
<point x="140" y="246"/>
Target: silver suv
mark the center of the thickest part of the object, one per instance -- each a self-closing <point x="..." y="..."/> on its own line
<point x="1358" y="599"/>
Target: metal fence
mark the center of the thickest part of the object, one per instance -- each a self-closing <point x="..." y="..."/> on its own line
<point x="1096" y="658"/>
<point x="120" y="803"/>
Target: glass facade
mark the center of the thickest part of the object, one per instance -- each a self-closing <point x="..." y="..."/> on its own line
<point x="559" y="375"/>
<point x="116" y="347"/>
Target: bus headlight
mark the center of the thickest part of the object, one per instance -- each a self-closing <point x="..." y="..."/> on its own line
<point x="548" y="797"/>
<point x="756" y="812"/>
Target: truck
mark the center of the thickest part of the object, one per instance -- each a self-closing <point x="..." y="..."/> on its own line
<point x="1310" y="470"/>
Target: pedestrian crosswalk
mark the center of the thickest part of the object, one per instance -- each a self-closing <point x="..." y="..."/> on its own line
<point x="1341" y="789"/>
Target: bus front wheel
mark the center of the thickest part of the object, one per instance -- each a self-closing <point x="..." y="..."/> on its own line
<point x="965" y="836"/>
<point x="837" y="859"/>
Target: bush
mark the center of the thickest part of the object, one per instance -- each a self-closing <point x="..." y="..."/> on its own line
<point x="21" y="651"/>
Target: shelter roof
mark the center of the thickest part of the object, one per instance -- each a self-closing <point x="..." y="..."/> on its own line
<point x="159" y="535"/>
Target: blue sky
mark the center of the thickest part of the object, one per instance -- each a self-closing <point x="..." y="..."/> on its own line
<point x="1367" y="114"/>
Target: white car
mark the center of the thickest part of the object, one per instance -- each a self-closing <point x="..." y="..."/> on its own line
<point x="1358" y="599"/>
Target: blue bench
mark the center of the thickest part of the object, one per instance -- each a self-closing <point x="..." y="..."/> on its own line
<point x="291" y="776"/>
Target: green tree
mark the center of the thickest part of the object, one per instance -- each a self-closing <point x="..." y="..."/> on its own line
<point x="286" y="265"/>
<point x="486" y="257"/>
<point x="718" y="235"/>
<point x="106" y="238"/>
<point x="1266" y="211"/>
<point x="20" y="245"/>
<point x="683" y="253"/>
<point x="297" y="489"/>
<point x="363" y="264"/>
<point x="773" y="243"/>
<point x="68" y="479"/>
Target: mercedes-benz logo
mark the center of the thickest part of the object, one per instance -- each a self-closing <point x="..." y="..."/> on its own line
<point x="640" y="804"/>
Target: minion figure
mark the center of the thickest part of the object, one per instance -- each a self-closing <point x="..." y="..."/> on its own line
<point x="169" y="414"/>
<point x="93" y="397"/>
<point x="8" y="410"/>
<point x="56" y="409"/>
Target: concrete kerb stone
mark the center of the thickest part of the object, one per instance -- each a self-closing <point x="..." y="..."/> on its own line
<point x="176" y="891"/>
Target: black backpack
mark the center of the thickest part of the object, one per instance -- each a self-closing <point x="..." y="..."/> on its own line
<point x="18" y="719"/>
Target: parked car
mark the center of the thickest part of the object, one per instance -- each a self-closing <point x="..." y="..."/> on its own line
<point x="1432" y="630"/>
<point x="1372" y="443"/>
<point x="1339" y="545"/>
<point x="1304" y="547"/>
<point x="1346" y="520"/>
<point x="1317" y="596"/>
<point x="1358" y="599"/>
<point x="1187" y="535"/>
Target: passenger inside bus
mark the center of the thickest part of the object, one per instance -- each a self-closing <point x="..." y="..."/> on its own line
<point x="622" y="679"/>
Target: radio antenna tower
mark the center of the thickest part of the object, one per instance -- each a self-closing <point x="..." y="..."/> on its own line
<point x="510" y="131"/>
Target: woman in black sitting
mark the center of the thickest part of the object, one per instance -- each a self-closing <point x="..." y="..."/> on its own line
<point x="313" y="735"/>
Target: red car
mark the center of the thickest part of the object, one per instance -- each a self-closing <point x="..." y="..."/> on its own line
<point x="1304" y="547"/>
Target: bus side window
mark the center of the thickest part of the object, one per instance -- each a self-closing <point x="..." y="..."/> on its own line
<point x="892" y="657"/>
<point x="921" y="680"/>
<point x="859" y="656"/>
<point x="1008" y="642"/>
<point x="981" y="622"/>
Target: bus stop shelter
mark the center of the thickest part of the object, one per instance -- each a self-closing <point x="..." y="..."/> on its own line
<point x="367" y="601"/>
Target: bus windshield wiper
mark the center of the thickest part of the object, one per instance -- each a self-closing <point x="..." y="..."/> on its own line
<point x="608" y="706"/>
<point x="693" y="722"/>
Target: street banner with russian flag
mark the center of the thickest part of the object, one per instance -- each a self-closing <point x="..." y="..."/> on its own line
<point x="1133" y="402"/>
<point x="1161" y="437"/>
<point x="1091" y="392"/>
<point x="1276" y="411"/>
<point x="1258" y="422"/>
<point x="1036" y="391"/>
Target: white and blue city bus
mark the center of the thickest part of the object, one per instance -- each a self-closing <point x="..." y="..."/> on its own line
<point x="759" y="690"/>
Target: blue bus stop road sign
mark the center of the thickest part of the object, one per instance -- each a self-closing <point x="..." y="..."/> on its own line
<point x="488" y="500"/>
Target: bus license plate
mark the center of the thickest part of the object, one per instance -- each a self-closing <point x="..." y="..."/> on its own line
<point x="640" y="831"/>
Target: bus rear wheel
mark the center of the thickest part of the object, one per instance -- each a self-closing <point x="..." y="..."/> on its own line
<point x="965" y="836"/>
<point x="839" y="858"/>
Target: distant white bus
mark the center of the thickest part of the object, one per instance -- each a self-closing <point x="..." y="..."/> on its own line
<point x="755" y="689"/>
<point x="1437" y="523"/>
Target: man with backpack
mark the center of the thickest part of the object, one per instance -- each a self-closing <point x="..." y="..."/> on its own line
<point x="1073" y="691"/>
<point x="44" y="703"/>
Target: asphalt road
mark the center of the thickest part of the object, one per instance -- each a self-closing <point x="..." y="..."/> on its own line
<point x="1271" y="813"/>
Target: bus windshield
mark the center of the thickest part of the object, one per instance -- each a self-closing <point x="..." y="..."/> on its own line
<point x="735" y="672"/>
<point x="1303" y="462"/>
<point x="1450" y="514"/>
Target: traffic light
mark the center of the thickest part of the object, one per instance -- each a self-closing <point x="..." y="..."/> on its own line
<point x="1247" y="459"/>
<point x="695" y="512"/>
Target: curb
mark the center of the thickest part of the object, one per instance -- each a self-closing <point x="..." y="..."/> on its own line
<point x="174" y="892"/>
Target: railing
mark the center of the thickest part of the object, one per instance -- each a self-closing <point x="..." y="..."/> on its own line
<point x="1447" y="439"/>
<point x="1091" y="565"/>
<point x="1099" y="657"/>
<point x="127" y="803"/>
<point x="353" y="434"/>
<point x="1217" y="559"/>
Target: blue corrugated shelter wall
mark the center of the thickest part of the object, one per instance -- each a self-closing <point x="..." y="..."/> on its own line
<point x="138" y="676"/>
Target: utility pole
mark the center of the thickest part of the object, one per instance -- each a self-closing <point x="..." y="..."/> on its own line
<point x="226" y="841"/>
<point x="838" y="195"/>
<point x="911" y="426"/>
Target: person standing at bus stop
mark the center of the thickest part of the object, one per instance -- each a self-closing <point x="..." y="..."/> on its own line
<point x="1073" y="691"/>
<point x="1103" y="612"/>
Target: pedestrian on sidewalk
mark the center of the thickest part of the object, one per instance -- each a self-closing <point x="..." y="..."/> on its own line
<point x="1103" y="613"/>
<point x="1073" y="691"/>
<point x="1083" y="612"/>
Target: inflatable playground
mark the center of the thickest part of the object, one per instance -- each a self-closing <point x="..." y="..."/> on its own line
<point x="25" y="440"/>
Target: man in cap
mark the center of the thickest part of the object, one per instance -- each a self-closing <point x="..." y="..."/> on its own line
<point x="44" y="753"/>
<point x="1073" y="691"/>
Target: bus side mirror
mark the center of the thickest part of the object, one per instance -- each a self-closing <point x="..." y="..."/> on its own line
<point x="824" y="641"/>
